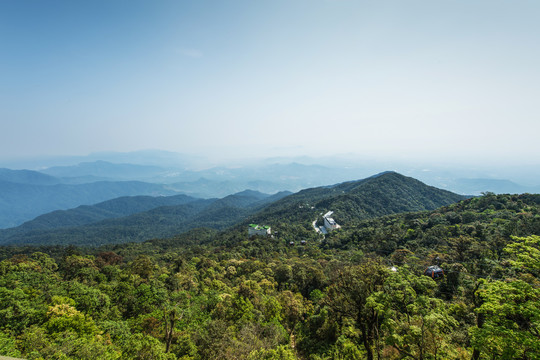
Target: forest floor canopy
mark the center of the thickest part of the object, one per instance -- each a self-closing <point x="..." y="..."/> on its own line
<point x="359" y="293"/>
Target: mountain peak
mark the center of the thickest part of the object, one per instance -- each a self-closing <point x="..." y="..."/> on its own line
<point x="251" y="193"/>
<point x="385" y="173"/>
<point x="382" y="194"/>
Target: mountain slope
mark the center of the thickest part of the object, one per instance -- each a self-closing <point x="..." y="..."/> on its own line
<point x="160" y="222"/>
<point x="21" y="202"/>
<point x="164" y="221"/>
<point x="27" y="177"/>
<point x="87" y="214"/>
<point x="382" y="194"/>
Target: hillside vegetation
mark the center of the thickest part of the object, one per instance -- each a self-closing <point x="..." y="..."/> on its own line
<point x="383" y="194"/>
<point x="358" y="293"/>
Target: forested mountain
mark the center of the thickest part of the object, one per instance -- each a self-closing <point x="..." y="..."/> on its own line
<point x="128" y="219"/>
<point x="477" y="227"/>
<point x="20" y="202"/>
<point x="382" y="194"/>
<point x="18" y="188"/>
<point x="359" y="293"/>
<point x="87" y="214"/>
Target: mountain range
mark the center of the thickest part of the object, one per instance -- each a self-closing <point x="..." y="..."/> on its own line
<point x="143" y="218"/>
<point x="26" y="194"/>
<point x="136" y="219"/>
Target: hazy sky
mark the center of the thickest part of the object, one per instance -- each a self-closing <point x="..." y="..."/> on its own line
<point x="436" y="78"/>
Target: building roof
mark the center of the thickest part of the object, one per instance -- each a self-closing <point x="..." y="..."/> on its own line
<point x="258" y="227"/>
<point x="331" y="221"/>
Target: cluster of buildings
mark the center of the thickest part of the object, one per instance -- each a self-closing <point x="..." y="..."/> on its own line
<point x="265" y="230"/>
<point x="255" y="229"/>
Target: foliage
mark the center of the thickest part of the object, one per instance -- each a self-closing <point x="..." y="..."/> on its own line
<point x="358" y="293"/>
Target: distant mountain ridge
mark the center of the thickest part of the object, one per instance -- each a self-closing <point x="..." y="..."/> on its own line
<point x="26" y="194"/>
<point x="382" y="194"/>
<point x="110" y="209"/>
<point x="166" y="216"/>
<point x="21" y="199"/>
<point x="28" y="177"/>
<point x="105" y="170"/>
<point x="478" y="186"/>
<point x="20" y="202"/>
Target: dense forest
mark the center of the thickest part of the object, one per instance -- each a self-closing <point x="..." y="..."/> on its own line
<point x="358" y="293"/>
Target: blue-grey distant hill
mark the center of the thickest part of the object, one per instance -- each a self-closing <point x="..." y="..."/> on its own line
<point x="498" y="186"/>
<point x="210" y="182"/>
<point x="25" y="194"/>
<point x="267" y="177"/>
<point x="189" y="172"/>
<point x="28" y="177"/>
<point x="105" y="170"/>
<point x="158" y="222"/>
<point x="20" y="202"/>
<point x="110" y="209"/>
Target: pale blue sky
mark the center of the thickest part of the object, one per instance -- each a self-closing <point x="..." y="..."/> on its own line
<point x="440" y="79"/>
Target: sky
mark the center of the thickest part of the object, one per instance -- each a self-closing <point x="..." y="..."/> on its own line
<point x="441" y="80"/>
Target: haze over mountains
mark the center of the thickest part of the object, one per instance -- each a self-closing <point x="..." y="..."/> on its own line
<point x="68" y="182"/>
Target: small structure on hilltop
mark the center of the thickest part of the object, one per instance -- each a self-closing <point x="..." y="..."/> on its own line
<point x="329" y="223"/>
<point x="255" y="229"/>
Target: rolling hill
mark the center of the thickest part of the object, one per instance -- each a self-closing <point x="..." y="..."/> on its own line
<point x="20" y="202"/>
<point x="110" y="209"/>
<point x="158" y="222"/>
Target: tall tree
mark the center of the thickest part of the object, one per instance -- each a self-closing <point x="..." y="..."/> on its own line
<point x="348" y="298"/>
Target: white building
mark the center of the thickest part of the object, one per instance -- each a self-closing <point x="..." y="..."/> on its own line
<point x="329" y="223"/>
<point x="255" y="229"/>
